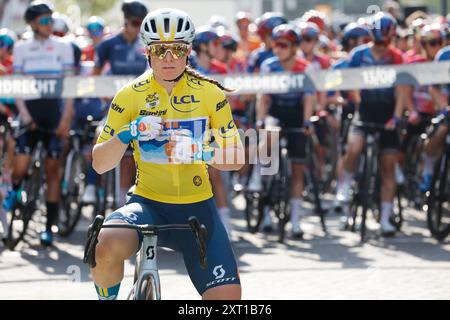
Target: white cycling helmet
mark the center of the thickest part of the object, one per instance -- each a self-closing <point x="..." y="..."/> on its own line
<point x="167" y="25"/>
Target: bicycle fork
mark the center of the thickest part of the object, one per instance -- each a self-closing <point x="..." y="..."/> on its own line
<point x="147" y="285"/>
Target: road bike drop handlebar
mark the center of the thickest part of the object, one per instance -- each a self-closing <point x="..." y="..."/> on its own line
<point x="198" y="229"/>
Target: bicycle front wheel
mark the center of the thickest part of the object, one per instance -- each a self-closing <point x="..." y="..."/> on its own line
<point x="148" y="289"/>
<point x="438" y="213"/>
<point x="71" y="204"/>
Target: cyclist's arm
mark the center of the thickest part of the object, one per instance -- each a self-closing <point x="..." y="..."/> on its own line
<point x="408" y="100"/>
<point x="437" y="97"/>
<point x="308" y="106"/>
<point x="18" y="65"/>
<point x="262" y="106"/>
<point x="107" y="155"/>
<point x="230" y="156"/>
<point x="399" y="100"/>
<point x="109" y="150"/>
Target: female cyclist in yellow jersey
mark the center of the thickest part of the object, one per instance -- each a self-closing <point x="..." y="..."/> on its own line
<point x="168" y="115"/>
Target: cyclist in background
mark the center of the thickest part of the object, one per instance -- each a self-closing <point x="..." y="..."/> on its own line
<point x="247" y="41"/>
<point x="265" y="25"/>
<point x="419" y="101"/>
<point x="206" y="46"/>
<point x="310" y="33"/>
<point x="291" y="110"/>
<point x="42" y="55"/>
<point x="381" y="106"/>
<point x="125" y="54"/>
<point x="96" y="31"/>
<point x="83" y="107"/>
<point x="172" y="180"/>
<point x="353" y="35"/>
<point x="7" y="111"/>
<point x="434" y="146"/>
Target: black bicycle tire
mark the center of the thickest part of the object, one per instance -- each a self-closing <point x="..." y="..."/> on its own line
<point x="439" y="234"/>
<point x="364" y="194"/>
<point x="144" y="288"/>
<point x="67" y="231"/>
<point x="251" y="198"/>
<point x="26" y="212"/>
<point x="282" y="211"/>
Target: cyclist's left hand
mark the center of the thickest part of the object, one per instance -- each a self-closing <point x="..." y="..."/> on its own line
<point x="308" y="128"/>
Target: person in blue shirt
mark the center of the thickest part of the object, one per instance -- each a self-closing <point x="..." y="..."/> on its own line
<point x="265" y="24"/>
<point x="125" y="55"/>
<point x="382" y="106"/>
<point x="288" y="110"/>
<point x="124" y="52"/>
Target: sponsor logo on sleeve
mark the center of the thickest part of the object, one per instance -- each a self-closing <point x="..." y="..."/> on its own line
<point x="228" y="131"/>
<point x="117" y="108"/>
<point x="108" y="130"/>
<point x="221" y="104"/>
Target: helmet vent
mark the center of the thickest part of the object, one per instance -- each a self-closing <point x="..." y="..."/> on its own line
<point x="180" y="25"/>
<point x="166" y="25"/>
<point x="188" y="26"/>
<point x="153" y="25"/>
<point x="146" y="28"/>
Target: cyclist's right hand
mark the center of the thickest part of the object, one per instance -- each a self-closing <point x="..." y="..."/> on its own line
<point x="28" y="121"/>
<point x="142" y="129"/>
<point x="308" y="128"/>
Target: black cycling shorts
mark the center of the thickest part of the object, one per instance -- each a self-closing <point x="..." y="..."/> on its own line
<point x="46" y="113"/>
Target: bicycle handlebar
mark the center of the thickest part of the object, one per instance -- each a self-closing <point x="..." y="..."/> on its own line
<point x="198" y="229"/>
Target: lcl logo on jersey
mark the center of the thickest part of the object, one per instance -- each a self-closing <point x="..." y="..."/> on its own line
<point x="187" y="103"/>
<point x="228" y="131"/>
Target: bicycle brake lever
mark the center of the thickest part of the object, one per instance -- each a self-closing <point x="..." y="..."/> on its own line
<point x="200" y="234"/>
<point x="89" y="250"/>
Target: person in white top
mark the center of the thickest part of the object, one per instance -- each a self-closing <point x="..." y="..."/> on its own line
<point x="42" y="56"/>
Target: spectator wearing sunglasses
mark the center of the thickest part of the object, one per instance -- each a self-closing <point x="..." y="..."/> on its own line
<point x="42" y="55"/>
<point x="96" y="30"/>
<point x="125" y="55"/>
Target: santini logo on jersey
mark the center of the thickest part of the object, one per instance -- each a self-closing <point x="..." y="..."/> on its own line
<point x="186" y="103"/>
<point x="220" y="105"/>
<point x="116" y="108"/>
<point x="158" y="113"/>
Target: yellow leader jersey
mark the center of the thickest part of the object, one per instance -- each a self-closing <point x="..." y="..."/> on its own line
<point x="194" y="108"/>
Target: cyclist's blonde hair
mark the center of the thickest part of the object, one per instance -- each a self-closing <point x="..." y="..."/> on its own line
<point x="190" y="71"/>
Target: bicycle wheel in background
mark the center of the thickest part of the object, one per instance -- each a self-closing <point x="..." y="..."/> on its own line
<point x="19" y="217"/>
<point x="281" y="192"/>
<point x="73" y="188"/>
<point x="438" y="201"/>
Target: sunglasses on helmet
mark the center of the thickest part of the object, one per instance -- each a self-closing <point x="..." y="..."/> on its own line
<point x="159" y="50"/>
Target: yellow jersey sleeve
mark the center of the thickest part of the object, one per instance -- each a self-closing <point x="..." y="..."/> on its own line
<point x="119" y="114"/>
<point x="223" y="127"/>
